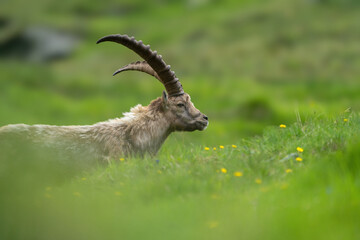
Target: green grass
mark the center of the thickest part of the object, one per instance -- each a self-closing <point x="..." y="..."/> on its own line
<point x="249" y="65"/>
<point x="185" y="194"/>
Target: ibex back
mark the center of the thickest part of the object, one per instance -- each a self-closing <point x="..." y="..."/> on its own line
<point x="140" y="131"/>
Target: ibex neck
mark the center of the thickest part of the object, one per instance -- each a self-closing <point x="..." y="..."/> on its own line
<point x="148" y="130"/>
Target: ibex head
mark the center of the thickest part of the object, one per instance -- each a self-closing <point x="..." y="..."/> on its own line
<point x="177" y="106"/>
<point x="182" y="113"/>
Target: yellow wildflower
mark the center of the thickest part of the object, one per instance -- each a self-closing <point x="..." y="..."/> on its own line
<point x="288" y="170"/>
<point x="47" y="195"/>
<point x="206" y="148"/>
<point x="215" y="196"/>
<point x="282" y="126"/>
<point x="77" y="194"/>
<point x="258" y="181"/>
<point x="122" y="159"/>
<point x="299" y="149"/>
<point x="221" y="146"/>
<point x="214" y="148"/>
<point x="299" y="159"/>
<point x="233" y="146"/>
<point x="238" y="174"/>
<point x="346" y="120"/>
<point x="213" y="224"/>
<point x="223" y="170"/>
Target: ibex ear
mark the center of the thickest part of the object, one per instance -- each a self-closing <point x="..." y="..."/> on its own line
<point x="164" y="98"/>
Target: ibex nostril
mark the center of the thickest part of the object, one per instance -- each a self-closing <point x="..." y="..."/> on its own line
<point x="205" y="117"/>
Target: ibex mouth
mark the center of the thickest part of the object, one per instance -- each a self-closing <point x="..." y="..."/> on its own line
<point x="202" y="125"/>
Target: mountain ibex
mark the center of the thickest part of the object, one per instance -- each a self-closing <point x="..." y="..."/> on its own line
<point x="141" y="131"/>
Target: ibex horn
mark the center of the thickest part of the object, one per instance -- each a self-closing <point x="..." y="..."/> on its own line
<point x="141" y="66"/>
<point x="154" y="62"/>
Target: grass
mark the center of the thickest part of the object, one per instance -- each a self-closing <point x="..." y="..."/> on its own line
<point x="186" y="193"/>
<point x="249" y="65"/>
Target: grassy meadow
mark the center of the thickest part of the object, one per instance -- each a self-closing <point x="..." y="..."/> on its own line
<point x="251" y="66"/>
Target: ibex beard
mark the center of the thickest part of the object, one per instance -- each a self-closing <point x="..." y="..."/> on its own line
<point x="141" y="131"/>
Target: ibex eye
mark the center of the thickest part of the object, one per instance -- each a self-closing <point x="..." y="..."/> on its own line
<point x="180" y="105"/>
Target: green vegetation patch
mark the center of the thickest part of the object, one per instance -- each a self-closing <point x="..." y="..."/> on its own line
<point x="298" y="181"/>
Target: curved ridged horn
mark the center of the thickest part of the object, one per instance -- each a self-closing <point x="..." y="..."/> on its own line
<point x="141" y="66"/>
<point x="167" y="77"/>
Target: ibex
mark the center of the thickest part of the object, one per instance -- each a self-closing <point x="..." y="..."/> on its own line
<point x="139" y="132"/>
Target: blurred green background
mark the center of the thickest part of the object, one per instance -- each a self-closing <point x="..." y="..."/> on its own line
<point x="246" y="64"/>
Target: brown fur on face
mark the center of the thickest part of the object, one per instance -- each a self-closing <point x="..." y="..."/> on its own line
<point x="182" y="113"/>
